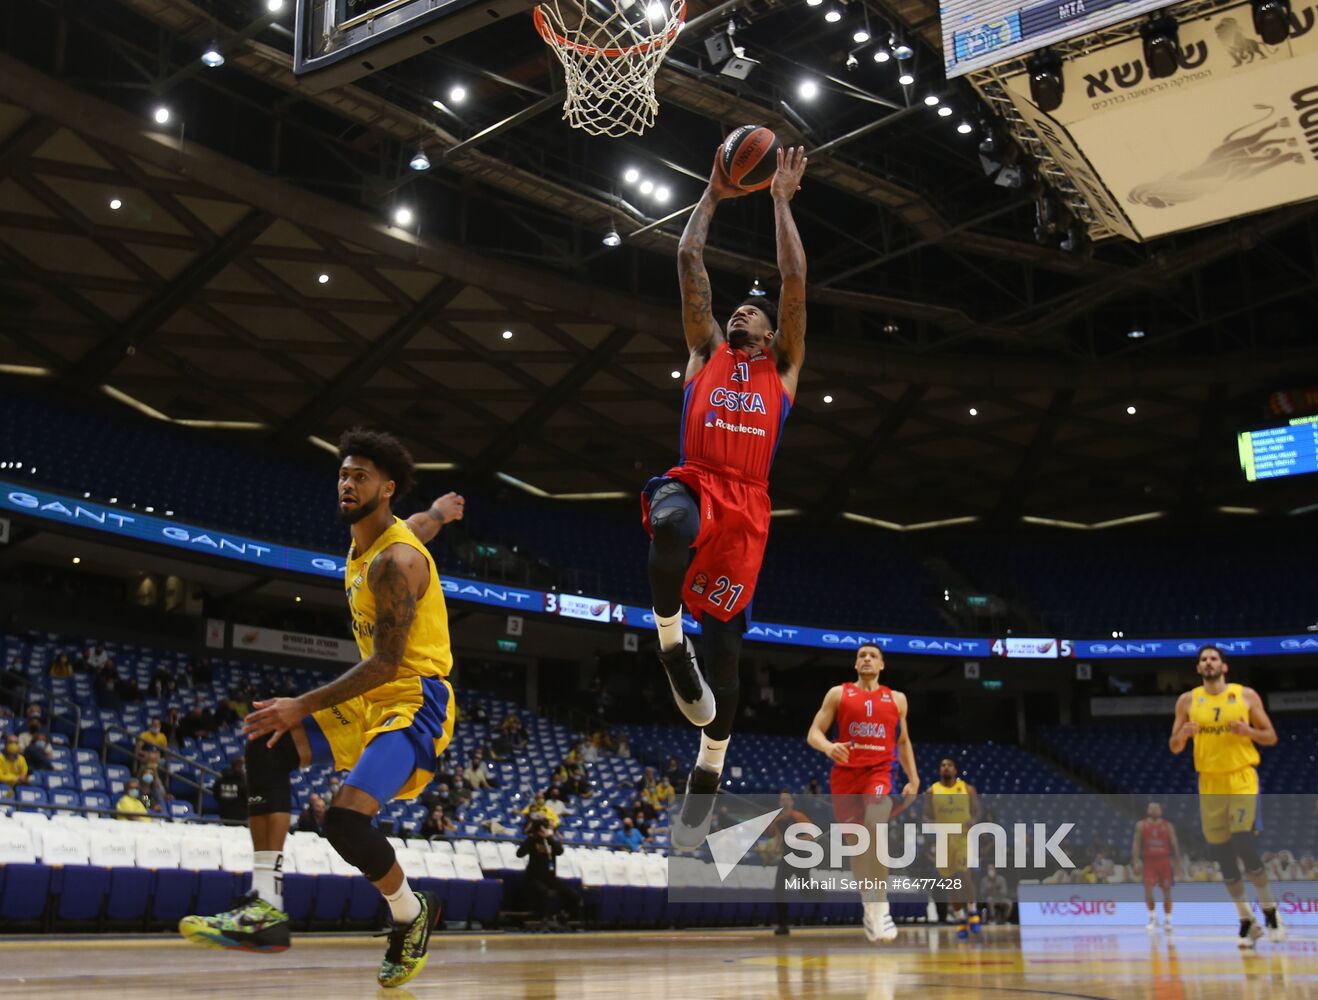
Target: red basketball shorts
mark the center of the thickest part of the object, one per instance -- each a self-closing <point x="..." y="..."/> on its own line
<point x="854" y="788"/>
<point x="729" y="550"/>
<point x="1158" y="871"/>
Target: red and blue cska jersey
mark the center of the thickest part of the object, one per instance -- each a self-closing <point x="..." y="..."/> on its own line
<point x="733" y="415"/>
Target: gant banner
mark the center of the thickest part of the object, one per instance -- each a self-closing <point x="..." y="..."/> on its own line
<point x="1232" y="132"/>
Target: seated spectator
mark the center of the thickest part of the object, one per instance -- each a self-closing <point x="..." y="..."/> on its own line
<point x="588" y="753"/>
<point x="154" y="793"/>
<point x="674" y="773"/>
<point x="812" y="787"/>
<point x="554" y="800"/>
<point x="646" y="779"/>
<point x="126" y="688"/>
<point x="198" y="724"/>
<point x="441" y="793"/>
<point x="230" y="790"/>
<point x="437" y="825"/>
<point x="131" y="802"/>
<point x="97" y="658"/>
<point x="170" y="727"/>
<point x="153" y="735"/>
<point x="163" y="683"/>
<point x="620" y="745"/>
<point x="628" y="836"/>
<point x="147" y="760"/>
<point x="200" y="671"/>
<point x="994" y="897"/>
<point x="33" y="727"/>
<point x="665" y="793"/>
<point x="577" y="784"/>
<point x="513" y="729"/>
<point x="537" y="809"/>
<point x="642" y="822"/>
<point x="313" y="816"/>
<point x="61" y="666"/>
<point x="476" y="775"/>
<point x="37" y="753"/>
<point x="13" y="766"/>
<point x="107" y="689"/>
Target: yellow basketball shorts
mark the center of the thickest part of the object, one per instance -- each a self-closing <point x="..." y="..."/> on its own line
<point x="956" y="855"/>
<point x="389" y="747"/>
<point x="1228" y="803"/>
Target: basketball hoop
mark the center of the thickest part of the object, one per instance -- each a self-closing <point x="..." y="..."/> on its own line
<point x="610" y="57"/>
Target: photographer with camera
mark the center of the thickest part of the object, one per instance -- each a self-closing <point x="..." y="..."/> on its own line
<point x="541" y="848"/>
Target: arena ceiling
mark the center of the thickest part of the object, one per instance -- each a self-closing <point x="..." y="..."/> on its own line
<point x="199" y="295"/>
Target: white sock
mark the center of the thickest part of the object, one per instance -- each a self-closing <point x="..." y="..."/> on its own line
<point x="1153" y="915"/>
<point x="711" y="753"/>
<point x="1242" y="908"/>
<point x="268" y="876"/>
<point x="670" y="629"/>
<point x="403" y="904"/>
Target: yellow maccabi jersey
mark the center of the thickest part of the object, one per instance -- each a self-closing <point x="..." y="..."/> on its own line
<point x="428" y="653"/>
<point x="951" y="804"/>
<point x="1216" y="748"/>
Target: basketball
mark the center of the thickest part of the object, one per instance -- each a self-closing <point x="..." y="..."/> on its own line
<point x="749" y="157"/>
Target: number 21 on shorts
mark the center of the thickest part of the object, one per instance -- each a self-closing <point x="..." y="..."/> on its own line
<point x="724" y="586"/>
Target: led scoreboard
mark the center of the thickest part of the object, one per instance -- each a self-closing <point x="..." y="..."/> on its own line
<point x="982" y="33"/>
<point x="589" y="609"/>
<point x="1275" y="452"/>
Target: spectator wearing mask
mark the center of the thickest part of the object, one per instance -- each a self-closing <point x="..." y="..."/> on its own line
<point x="476" y="775"/>
<point x="152" y="736"/>
<point x="628" y="836"/>
<point x="97" y="658"/>
<point x="13" y="766"/>
<point x="545" y="892"/>
<point x="313" y="816"/>
<point x="131" y="802"/>
<point x="33" y="728"/>
<point x="163" y="683"/>
<point x="538" y="810"/>
<point x="230" y="790"/>
<point x="154" y="794"/>
<point x="441" y="793"/>
<point x="674" y="772"/>
<point x="37" y="754"/>
<point x="437" y="825"/>
<point x="554" y="800"/>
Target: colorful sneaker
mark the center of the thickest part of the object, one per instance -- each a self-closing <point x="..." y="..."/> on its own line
<point x="252" y="925"/>
<point x="963" y="931"/>
<point x="1276" y="929"/>
<point x="974" y="921"/>
<point x="406" y="955"/>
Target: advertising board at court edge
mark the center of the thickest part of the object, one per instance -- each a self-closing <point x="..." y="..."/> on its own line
<point x="25" y="501"/>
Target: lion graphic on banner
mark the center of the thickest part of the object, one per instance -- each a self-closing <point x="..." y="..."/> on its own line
<point x="1245" y="152"/>
<point x="1241" y="46"/>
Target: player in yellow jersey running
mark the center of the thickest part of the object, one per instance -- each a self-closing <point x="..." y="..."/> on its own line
<point x="1228" y="724"/>
<point x="954" y="800"/>
<point x="386" y="720"/>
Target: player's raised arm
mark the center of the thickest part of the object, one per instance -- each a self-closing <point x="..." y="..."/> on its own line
<point x="426" y="524"/>
<point x="702" y="332"/>
<point x="906" y="750"/>
<point x="1259" y="728"/>
<point x="818" y="735"/>
<point x="397" y="578"/>
<point x="790" y="342"/>
<point x="1183" y="729"/>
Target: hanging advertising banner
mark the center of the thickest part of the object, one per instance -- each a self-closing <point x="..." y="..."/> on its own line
<point x="251" y="638"/>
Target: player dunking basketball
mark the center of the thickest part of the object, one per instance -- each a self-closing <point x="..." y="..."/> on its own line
<point x="1157" y="851"/>
<point x="386" y="720"/>
<point x="871" y="732"/>
<point x="739" y="388"/>
<point x="1226" y="721"/>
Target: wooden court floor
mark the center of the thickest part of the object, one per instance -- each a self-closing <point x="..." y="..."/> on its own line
<point x="928" y="964"/>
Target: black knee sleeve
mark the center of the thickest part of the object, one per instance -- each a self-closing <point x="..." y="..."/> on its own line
<point x="1245" y="847"/>
<point x="358" y="842"/>
<point x="674" y="517"/>
<point x="268" y="768"/>
<point x="1225" y="856"/>
<point x="721" y="665"/>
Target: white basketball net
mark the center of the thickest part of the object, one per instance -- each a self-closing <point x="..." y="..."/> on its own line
<point x="610" y="51"/>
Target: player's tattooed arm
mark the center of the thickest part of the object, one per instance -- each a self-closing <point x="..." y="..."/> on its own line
<point x="395" y="580"/>
<point x="702" y="333"/>
<point x="790" y="341"/>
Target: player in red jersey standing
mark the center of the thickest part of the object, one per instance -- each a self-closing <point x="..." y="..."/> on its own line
<point x="1156" y="847"/>
<point x="871" y="733"/>
<point x="740" y="382"/>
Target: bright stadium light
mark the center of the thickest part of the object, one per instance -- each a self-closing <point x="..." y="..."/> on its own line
<point x="322" y="278"/>
<point x="274" y="6"/>
<point x="906" y="79"/>
<point x="507" y="335"/>
<point x="457" y="94"/>
<point x="212" y="58"/>
<point x="931" y="100"/>
<point x="1131" y="409"/>
<point x="833" y="16"/>
<point x="631" y="175"/>
<point x="661" y="194"/>
<point x="402" y="216"/>
<point x="655" y="12"/>
<point x="828" y="399"/>
<point x="881" y="55"/>
<point x="419" y="161"/>
<point x="115" y="204"/>
<point x="965" y="128"/>
<point x="974" y="412"/>
<point x="944" y="112"/>
<point x="808" y="90"/>
<point x="647" y="186"/>
<point x="612" y="239"/>
<point x="161" y="115"/>
<point x="860" y="36"/>
<point x="675" y="373"/>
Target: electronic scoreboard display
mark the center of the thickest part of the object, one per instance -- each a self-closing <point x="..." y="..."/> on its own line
<point x="1290" y="449"/>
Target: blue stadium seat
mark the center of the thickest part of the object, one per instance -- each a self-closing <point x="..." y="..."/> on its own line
<point x="23" y="894"/>
<point x="81" y="890"/>
<point x="172" y="893"/>
<point x="128" y="894"/>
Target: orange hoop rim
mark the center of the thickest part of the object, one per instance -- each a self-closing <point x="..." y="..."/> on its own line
<point x="554" y="38"/>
